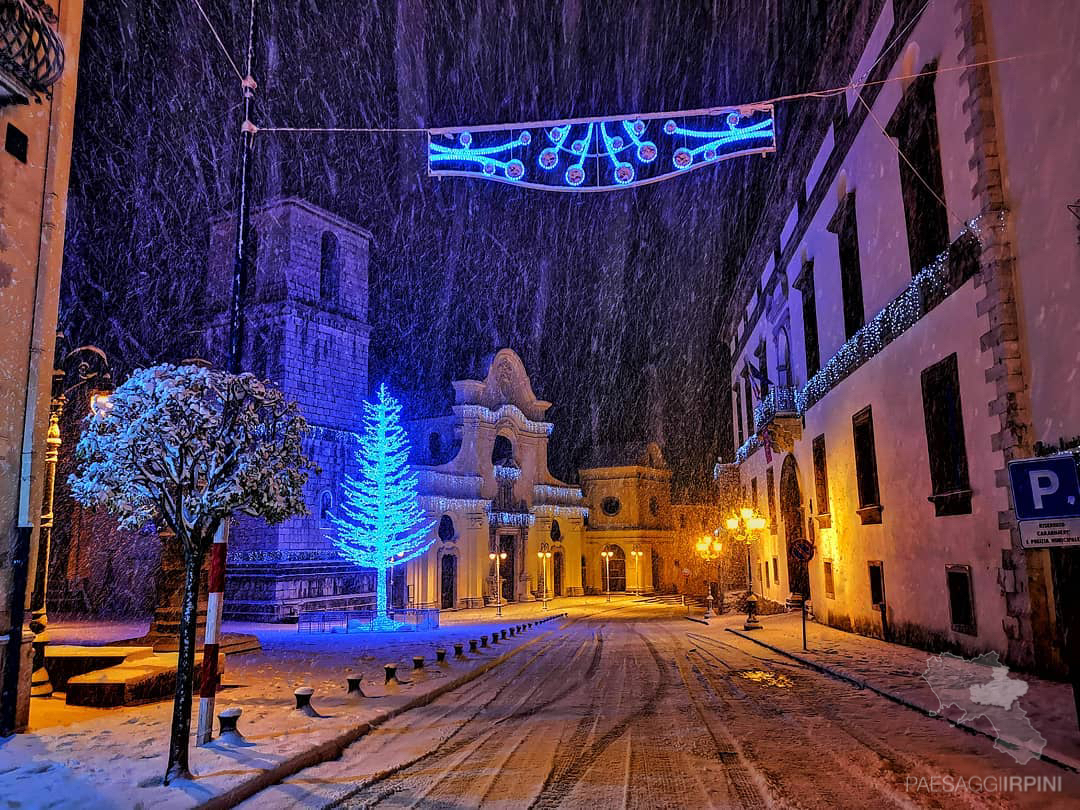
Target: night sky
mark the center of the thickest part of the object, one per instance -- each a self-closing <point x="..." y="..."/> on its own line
<point x="614" y="301"/>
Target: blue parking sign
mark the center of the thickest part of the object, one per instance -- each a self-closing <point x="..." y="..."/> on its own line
<point x="1045" y="487"/>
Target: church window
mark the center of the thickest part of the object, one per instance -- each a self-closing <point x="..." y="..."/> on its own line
<point x="556" y="532"/>
<point x="502" y="453"/>
<point x="329" y="270"/>
<point x="843" y="224"/>
<point x="446" y="529"/>
<point x="611" y="506"/>
<point x="654" y="507"/>
<point x="326" y="504"/>
<point x="435" y="448"/>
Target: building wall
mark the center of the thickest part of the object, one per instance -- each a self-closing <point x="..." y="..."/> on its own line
<point x="912" y="543"/>
<point x="33" y="205"/>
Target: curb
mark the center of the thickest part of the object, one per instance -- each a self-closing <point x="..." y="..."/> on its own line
<point x="333" y="748"/>
<point x="695" y="619"/>
<point x="1060" y="761"/>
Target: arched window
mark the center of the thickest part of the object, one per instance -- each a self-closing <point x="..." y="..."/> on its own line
<point x="502" y="452"/>
<point x="434" y="446"/>
<point x="446" y="529"/>
<point x="329" y="269"/>
<point x="326" y="503"/>
<point x="783" y="359"/>
<point x="556" y="532"/>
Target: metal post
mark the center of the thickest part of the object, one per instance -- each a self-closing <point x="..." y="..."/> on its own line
<point x="39" y="620"/>
<point x="241" y="271"/>
<point x="804" y="623"/>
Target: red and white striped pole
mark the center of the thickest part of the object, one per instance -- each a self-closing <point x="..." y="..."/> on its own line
<point x="204" y="732"/>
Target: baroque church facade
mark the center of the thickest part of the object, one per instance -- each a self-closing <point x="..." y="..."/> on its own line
<point x="485" y="485"/>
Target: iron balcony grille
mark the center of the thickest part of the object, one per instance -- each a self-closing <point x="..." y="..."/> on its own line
<point x="31" y="51"/>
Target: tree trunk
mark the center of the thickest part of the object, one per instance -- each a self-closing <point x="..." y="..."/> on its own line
<point x="380" y="593"/>
<point x="180" y="737"/>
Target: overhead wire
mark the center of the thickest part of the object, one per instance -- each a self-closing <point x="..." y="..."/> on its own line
<point x="221" y="44"/>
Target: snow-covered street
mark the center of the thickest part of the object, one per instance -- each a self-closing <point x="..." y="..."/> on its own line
<point x="628" y="708"/>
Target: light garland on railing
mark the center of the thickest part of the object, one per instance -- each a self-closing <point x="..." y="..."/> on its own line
<point x="431" y="479"/>
<point x="505" y="412"/>
<point x="546" y="493"/>
<point x="890" y="322"/>
<point x="511" y="518"/>
<point x="439" y="504"/>
<point x="507" y="473"/>
<point x="560" y="510"/>
<point x="895" y="318"/>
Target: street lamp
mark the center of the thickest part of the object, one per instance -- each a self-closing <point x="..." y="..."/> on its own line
<point x="544" y="555"/>
<point x="607" y="555"/>
<point x="89" y="367"/>
<point x="497" y="558"/>
<point x="709" y="548"/>
<point x="746" y="520"/>
<point x="636" y="554"/>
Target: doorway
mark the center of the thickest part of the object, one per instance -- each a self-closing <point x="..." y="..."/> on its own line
<point x="613" y="572"/>
<point x="507" y="545"/>
<point x="791" y="512"/>
<point x="397" y="587"/>
<point x="449" y="581"/>
<point x="557" y="573"/>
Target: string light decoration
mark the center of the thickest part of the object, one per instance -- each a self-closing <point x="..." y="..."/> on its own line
<point x="511" y="412"/>
<point x="928" y="288"/>
<point x="560" y="510"/>
<point x="507" y="473"/>
<point x="440" y="505"/>
<point x="511" y="518"/>
<point x="547" y="493"/>
<point x="381" y="522"/>
<point x="601" y="153"/>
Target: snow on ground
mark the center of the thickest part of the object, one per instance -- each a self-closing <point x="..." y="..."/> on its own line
<point x="106" y="758"/>
<point x="898" y="670"/>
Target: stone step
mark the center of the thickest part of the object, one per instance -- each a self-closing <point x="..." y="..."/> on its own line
<point x="142" y="680"/>
<point x="65" y="661"/>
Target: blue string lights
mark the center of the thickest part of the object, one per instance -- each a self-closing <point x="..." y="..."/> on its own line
<point x="601" y="154"/>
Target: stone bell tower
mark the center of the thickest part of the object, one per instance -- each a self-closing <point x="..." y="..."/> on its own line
<point x="306" y="330"/>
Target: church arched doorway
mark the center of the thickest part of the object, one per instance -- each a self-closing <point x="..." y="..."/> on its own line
<point x="791" y="512"/>
<point x="448" y="581"/>
<point x="613" y="572"/>
<point x="557" y="573"/>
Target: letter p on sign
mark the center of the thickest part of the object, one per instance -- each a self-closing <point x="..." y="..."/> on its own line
<point x="1045" y="488"/>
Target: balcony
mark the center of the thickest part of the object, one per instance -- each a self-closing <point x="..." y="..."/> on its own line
<point x="31" y="51"/>
<point x="779" y="403"/>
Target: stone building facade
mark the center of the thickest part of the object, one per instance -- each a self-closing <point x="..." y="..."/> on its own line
<point x="485" y="485"/>
<point x="39" y="61"/>
<point x="910" y="327"/>
<point x="630" y="516"/>
<point x="306" y="329"/>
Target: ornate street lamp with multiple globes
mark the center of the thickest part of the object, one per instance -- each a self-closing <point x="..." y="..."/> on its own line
<point x="497" y="558"/>
<point x="709" y="548"/>
<point x="544" y="555"/>
<point x="741" y="524"/>
<point x="607" y="554"/>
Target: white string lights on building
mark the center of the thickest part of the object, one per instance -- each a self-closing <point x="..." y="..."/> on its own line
<point x="511" y="412"/>
<point x="511" y="518"/>
<point x="926" y="289"/>
<point x="439" y="504"/>
<point x="557" y="510"/>
<point x="507" y="473"/>
<point x="548" y="493"/>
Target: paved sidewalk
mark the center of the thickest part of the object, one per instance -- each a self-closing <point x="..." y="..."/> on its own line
<point x="898" y="670"/>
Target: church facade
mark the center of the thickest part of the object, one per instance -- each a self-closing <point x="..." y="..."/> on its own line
<point x="485" y="485"/>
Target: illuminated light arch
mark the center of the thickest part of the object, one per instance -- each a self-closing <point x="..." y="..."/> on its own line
<point x="601" y="153"/>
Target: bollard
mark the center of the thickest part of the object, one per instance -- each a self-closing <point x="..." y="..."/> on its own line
<point x="354" y="687"/>
<point x="227" y="719"/>
<point x="440" y="655"/>
<point x="494" y="638"/>
<point x="511" y="633"/>
<point x="417" y="662"/>
<point x="483" y="641"/>
<point x="459" y="649"/>
<point x="472" y="645"/>
<point x="391" y="673"/>
<point x="303" y="701"/>
<point x="504" y="634"/>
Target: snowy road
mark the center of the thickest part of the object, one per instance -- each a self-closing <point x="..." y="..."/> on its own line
<point x="619" y="711"/>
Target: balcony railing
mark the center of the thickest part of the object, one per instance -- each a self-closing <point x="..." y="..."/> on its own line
<point x="780" y="401"/>
<point x="31" y="51"/>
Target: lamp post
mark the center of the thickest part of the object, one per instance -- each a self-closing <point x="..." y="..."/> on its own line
<point x="497" y="558"/>
<point x="741" y="524"/>
<point x="709" y="548"/>
<point x="544" y="555"/>
<point x="607" y="555"/>
<point x="90" y="368"/>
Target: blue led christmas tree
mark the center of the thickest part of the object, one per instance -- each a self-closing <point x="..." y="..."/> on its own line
<point x="380" y="522"/>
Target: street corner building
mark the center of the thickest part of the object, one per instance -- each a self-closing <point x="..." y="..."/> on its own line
<point x="39" y="58"/>
<point x="901" y="336"/>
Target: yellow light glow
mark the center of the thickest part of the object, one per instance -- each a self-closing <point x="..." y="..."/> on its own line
<point x="756" y="523"/>
<point x="733" y="523"/>
<point x="746" y="513"/>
